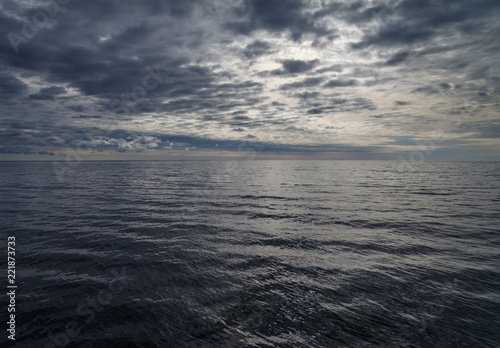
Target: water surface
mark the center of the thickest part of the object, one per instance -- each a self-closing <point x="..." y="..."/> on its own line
<point x="272" y="254"/>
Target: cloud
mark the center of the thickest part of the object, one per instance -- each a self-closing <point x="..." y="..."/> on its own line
<point x="307" y="95"/>
<point x="42" y="97"/>
<point x="379" y="81"/>
<point x="77" y="108"/>
<point x="398" y="33"/>
<point x="241" y="118"/>
<point x="426" y="89"/>
<point x="275" y="17"/>
<point x="256" y="49"/>
<point x="480" y="129"/>
<point x="293" y="66"/>
<point x="340" y="83"/>
<point x="331" y="68"/>
<point x="11" y="86"/>
<point x="398" y="59"/>
<point x="53" y="90"/>
<point x="315" y="111"/>
<point x="308" y="82"/>
<point x="55" y="140"/>
<point x="126" y="76"/>
<point x="88" y="116"/>
<point x="413" y="21"/>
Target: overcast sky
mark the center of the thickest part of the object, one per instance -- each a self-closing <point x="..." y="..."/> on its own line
<point x="289" y="78"/>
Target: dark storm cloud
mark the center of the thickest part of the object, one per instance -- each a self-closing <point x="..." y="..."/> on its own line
<point x="293" y="66"/>
<point x="181" y="65"/>
<point x="241" y="118"/>
<point x="401" y="103"/>
<point x="412" y="21"/>
<point x="54" y="90"/>
<point x="341" y="83"/>
<point x="42" y="97"/>
<point x="11" y="86"/>
<point x="327" y="105"/>
<point x="309" y="82"/>
<point x="314" y="111"/>
<point x="275" y="16"/>
<point x="398" y="59"/>
<point x="426" y="89"/>
<point x="205" y="94"/>
<point x="88" y="116"/>
<point x="331" y="68"/>
<point x="247" y="122"/>
<point x="21" y="125"/>
<point x="352" y="105"/>
<point x="77" y="108"/>
<point x="256" y="49"/>
<point x="92" y="72"/>
<point x="343" y="10"/>
<point x="481" y="129"/>
<point x="396" y="34"/>
<point x="105" y="69"/>
<point x="307" y="95"/>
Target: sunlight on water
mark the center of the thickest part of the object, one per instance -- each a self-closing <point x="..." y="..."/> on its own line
<point x="285" y="254"/>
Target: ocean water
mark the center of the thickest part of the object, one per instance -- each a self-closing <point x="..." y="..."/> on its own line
<point x="254" y="254"/>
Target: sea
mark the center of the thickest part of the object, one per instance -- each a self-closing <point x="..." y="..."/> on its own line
<point x="252" y="253"/>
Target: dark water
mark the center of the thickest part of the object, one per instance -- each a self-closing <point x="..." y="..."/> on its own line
<point x="263" y="254"/>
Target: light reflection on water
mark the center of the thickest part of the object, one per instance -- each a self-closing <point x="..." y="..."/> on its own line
<point x="286" y="253"/>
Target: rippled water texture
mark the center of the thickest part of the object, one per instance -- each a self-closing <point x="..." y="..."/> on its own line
<point x="267" y="254"/>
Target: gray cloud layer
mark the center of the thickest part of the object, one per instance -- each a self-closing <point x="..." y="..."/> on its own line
<point x="294" y="74"/>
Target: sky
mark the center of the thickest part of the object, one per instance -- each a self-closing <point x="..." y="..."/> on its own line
<point x="271" y="79"/>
